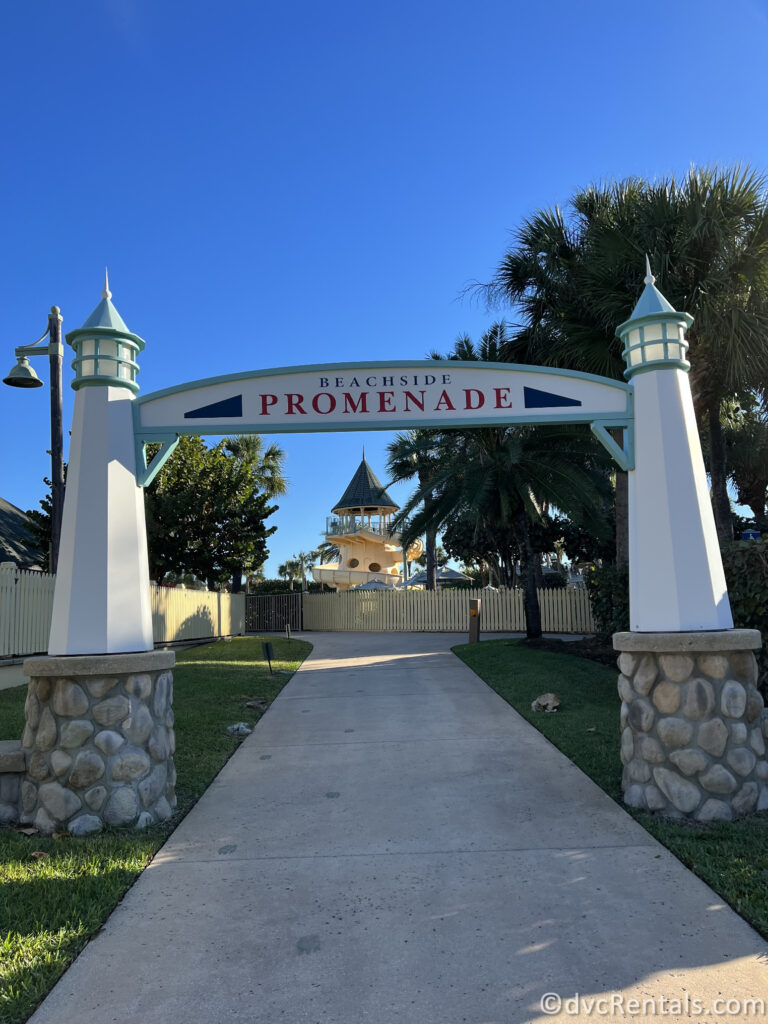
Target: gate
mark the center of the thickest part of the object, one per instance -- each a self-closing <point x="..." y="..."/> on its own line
<point x="271" y="613"/>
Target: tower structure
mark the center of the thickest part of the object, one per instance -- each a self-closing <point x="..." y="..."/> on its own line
<point x="102" y="601"/>
<point x="360" y="527"/>
<point x="677" y="581"/>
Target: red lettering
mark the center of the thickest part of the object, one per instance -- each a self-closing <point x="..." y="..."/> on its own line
<point x="266" y="402"/>
<point x="444" y="402"/>
<point x="468" y="392"/>
<point x="501" y="394"/>
<point x="295" y="405"/>
<point x="362" y="402"/>
<point x="316" y="403"/>
<point x="385" y="401"/>
<point x="419" y="403"/>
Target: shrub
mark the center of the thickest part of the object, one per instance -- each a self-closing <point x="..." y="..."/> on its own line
<point x="608" y="590"/>
<point x="746" y="573"/>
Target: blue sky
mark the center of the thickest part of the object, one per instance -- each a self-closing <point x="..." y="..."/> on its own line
<point x="276" y="184"/>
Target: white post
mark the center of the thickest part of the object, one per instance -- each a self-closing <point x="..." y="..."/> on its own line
<point x="102" y="601"/>
<point x="676" y="577"/>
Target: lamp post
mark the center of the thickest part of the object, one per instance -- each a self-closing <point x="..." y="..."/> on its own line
<point x="23" y="376"/>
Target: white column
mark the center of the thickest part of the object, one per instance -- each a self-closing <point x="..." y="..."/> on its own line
<point x="101" y="602"/>
<point x="676" y="579"/>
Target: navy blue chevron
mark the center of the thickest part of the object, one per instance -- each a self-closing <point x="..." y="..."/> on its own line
<point x="227" y="407"/>
<point x="535" y="399"/>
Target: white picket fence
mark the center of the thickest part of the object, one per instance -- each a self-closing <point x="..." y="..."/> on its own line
<point x="444" y="611"/>
<point x="26" y="605"/>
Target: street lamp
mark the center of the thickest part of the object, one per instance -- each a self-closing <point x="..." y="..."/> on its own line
<point x="23" y="376"/>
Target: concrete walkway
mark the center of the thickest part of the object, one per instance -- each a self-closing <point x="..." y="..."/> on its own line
<point x="395" y="844"/>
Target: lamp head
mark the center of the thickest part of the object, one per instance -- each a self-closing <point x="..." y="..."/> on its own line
<point x="22" y="375"/>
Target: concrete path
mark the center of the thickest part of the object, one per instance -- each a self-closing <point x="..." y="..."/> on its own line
<point x="395" y="844"/>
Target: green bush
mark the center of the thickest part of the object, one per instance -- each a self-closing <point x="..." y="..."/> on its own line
<point x="608" y="590"/>
<point x="746" y="573"/>
<point x="283" y="587"/>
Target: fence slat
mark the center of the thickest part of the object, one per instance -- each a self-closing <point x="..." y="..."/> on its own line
<point x="502" y="611"/>
<point x="26" y="606"/>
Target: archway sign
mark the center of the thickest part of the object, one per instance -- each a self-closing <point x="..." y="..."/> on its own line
<point x="690" y="714"/>
<point x="101" y="603"/>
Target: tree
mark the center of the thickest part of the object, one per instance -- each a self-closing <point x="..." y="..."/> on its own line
<point x="574" y="278"/>
<point x="206" y="512"/>
<point x="746" y="443"/>
<point x="410" y="455"/>
<point x="502" y="477"/>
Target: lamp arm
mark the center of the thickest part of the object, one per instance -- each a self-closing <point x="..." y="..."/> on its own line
<point x="33" y="350"/>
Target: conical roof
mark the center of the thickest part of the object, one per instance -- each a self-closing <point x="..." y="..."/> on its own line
<point x="651" y="302"/>
<point x="365" y="492"/>
<point x="105" y="315"/>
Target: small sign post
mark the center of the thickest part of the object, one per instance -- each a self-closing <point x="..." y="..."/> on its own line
<point x="268" y="651"/>
<point x="474" y="621"/>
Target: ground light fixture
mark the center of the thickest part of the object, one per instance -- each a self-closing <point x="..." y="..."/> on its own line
<point x="22" y="375"/>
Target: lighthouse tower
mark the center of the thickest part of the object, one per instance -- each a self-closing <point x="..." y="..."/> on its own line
<point x="102" y="602"/>
<point x="360" y="527"/>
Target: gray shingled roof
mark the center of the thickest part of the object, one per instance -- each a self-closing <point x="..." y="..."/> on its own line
<point x="17" y="543"/>
<point x="365" y="491"/>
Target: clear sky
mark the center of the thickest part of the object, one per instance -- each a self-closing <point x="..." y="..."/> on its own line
<point x="286" y="183"/>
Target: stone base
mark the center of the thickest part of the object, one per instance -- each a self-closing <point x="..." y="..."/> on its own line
<point x="99" y="742"/>
<point x="693" y="730"/>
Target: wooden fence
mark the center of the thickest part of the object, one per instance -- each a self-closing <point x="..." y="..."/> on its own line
<point x="26" y="605"/>
<point x="444" y="611"/>
<point x="26" y="602"/>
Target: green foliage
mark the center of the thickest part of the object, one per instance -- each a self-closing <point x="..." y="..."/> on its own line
<point x="280" y="587"/>
<point x="746" y="573"/>
<point x="206" y="510"/>
<point x="608" y="590"/>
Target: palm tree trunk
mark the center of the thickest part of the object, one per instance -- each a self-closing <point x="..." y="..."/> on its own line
<point x="531" y="598"/>
<point x="431" y="546"/>
<point x="717" y="470"/>
<point x="431" y="550"/>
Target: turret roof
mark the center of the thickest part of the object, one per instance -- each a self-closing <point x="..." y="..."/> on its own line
<point x="366" y="492"/>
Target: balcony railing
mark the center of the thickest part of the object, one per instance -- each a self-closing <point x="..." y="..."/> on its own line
<point x="339" y="526"/>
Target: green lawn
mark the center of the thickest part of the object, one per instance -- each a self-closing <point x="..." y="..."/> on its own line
<point x="732" y="857"/>
<point x="50" y="906"/>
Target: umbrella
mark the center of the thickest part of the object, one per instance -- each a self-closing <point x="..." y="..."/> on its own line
<point x="444" y="575"/>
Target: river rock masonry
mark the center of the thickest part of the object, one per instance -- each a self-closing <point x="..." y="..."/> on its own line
<point x="693" y="728"/>
<point x="98" y="742"/>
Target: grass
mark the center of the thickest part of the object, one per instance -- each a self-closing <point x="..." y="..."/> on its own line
<point x="52" y="905"/>
<point x="731" y="857"/>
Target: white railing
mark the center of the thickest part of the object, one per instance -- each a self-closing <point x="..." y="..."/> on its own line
<point x="444" y="611"/>
<point x="26" y="605"/>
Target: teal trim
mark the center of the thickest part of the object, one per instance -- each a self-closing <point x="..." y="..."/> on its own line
<point x="100" y="382"/>
<point x="624" y="454"/>
<point x="666" y="364"/>
<point x="651" y="318"/>
<point x="327" y="369"/>
<point x="147" y="473"/>
<point x="106" y="332"/>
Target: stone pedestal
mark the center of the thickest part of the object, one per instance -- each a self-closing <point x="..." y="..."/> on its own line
<point x="693" y="732"/>
<point x="99" y="742"/>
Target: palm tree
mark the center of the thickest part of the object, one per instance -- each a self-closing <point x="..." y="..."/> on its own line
<point x="574" y="278"/>
<point x="265" y="467"/>
<point x="410" y="455"/>
<point x="503" y="477"/>
<point x="290" y="570"/>
<point x="746" y="441"/>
